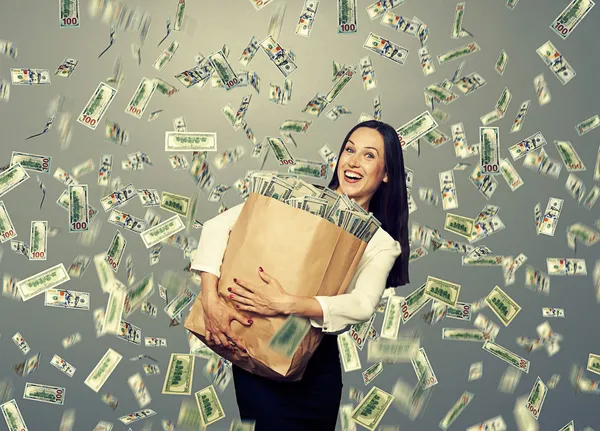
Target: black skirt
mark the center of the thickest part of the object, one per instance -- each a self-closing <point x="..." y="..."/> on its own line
<point x="311" y="403"/>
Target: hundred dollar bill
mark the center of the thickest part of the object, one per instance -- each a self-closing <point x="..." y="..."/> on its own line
<point x="456" y="410"/>
<point x="166" y="55"/>
<point x="33" y="162"/>
<point x="64" y="298"/>
<point x="83" y="168"/>
<point x="572" y="15"/>
<point x="209" y="405"/>
<point x="12" y="416"/>
<point x="7" y="229"/>
<point x="495" y="423"/>
<point x="457" y="29"/>
<point x="180" y="375"/>
<point x="507" y="356"/>
<point x="306" y="20"/>
<point x="71" y="340"/>
<point x="386" y="48"/>
<point x="556" y="62"/>
<point x="518" y="122"/>
<point x="489" y="137"/>
<point x="116" y="250"/>
<point x="127" y="221"/>
<point x="42" y="281"/>
<point x="11" y="178"/>
<point x="114" y="307"/>
<point x="459" y="225"/>
<point x="180" y="302"/>
<point x="568" y="266"/>
<point x="22" y="76"/>
<point x="175" y="203"/>
<point x="179" y="15"/>
<point x="413" y="303"/>
<point x="553" y="312"/>
<point x="283" y="155"/>
<point x="459" y="52"/>
<point x="69" y="13"/>
<point x="372" y="408"/>
<point x="593" y="363"/>
<point x="62" y="365"/>
<point x="78" y="208"/>
<point x="448" y="189"/>
<point x="442" y="290"/>
<point x="462" y="311"/>
<point x="463" y="334"/>
<point x="162" y="231"/>
<point x="140" y="99"/>
<point x="375" y="10"/>
<point x="287" y="339"/>
<point x="569" y="427"/>
<point x="542" y="90"/>
<point x="510" y="174"/>
<point x="137" y="416"/>
<point x="536" y="398"/>
<point x="587" y="125"/>
<point x="502" y="305"/>
<point x="373" y="371"/>
<point x="118" y="197"/>
<point x="103" y="370"/>
<point x="423" y="369"/>
<point x="44" y="393"/>
<point x="348" y="353"/>
<point x="21" y="343"/>
<point x="396" y="351"/>
<point x="551" y="216"/>
<point x="347" y="16"/>
<point x="415" y="128"/>
<point x="136" y="295"/>
<point x="155" y="342"/>
<point x="97" y="106"/>
<point x="190" y="141"/>
<point x="527" y="145"/>
<point x="222" y="67"/>
<point x="139" y="389"/>
<point x="392" y="317"/>
<point x="501" y="62"/>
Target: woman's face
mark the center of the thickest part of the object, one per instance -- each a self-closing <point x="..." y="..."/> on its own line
<point x="363" y="155"/>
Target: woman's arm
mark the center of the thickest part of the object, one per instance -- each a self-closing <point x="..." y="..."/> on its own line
<point x="208" y="257"/>
<point x="337" y="313"/>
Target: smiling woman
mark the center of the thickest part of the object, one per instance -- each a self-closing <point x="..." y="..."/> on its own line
<point x="370" y="170"/>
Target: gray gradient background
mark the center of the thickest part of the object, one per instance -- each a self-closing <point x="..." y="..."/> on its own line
<point x="33" y="26"/>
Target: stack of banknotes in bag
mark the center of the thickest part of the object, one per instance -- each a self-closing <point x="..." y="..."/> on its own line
<point x="317" y="200"/>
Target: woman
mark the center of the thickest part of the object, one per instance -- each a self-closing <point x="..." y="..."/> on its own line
<point x="371" y="154"/>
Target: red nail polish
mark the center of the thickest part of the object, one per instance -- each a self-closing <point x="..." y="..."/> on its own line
<point x="260" y="269"/>
<point x="235" y="280"/>
<point x="229" y="289"/>
<point x="250" y="321"/>
<point x="237" y="306"/>
<point x="231" y="296"/>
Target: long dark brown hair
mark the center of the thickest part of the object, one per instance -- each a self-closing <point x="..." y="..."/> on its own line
<point x="389" y="204"/>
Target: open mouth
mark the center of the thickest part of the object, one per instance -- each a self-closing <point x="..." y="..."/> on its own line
<point x="352" y="177"/>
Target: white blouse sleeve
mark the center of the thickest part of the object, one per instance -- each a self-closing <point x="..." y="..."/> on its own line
<point x="341" y="311"/>
<point x="208" y="256"/>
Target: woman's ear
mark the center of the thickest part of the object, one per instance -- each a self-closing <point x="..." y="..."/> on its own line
<point x="385" y="178"/>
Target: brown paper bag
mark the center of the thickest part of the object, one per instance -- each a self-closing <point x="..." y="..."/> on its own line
<point x="307" y="254"/>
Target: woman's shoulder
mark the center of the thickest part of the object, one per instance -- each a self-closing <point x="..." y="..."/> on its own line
<point x="383" y="240"/>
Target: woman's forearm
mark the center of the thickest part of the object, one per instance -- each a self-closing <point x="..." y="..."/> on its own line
<point x="305" y="306"/>
<point x="210" y="282"/>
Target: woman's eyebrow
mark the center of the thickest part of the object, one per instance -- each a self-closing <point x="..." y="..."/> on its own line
<point x="365" y="147"/>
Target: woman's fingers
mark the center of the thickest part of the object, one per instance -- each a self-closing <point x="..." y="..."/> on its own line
<point x="241" y="299"/>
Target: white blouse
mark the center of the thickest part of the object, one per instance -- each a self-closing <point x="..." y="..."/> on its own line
<point x="339" y="312"/>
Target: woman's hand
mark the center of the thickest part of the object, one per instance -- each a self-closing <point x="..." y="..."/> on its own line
<point x="268" y="299"/>
<point x="217" y="321"/>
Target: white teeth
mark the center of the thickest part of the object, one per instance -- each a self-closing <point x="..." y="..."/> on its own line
<point x="353" y="176"/>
